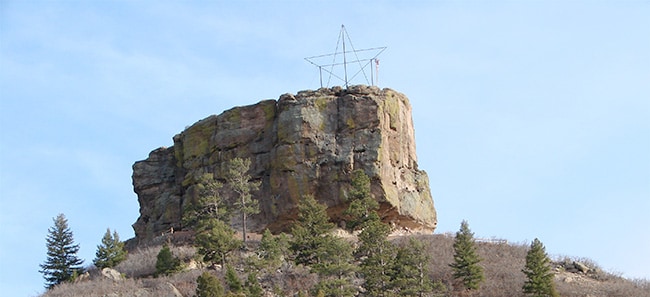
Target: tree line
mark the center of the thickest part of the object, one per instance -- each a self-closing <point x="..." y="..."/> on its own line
<point x="384" y="268"/>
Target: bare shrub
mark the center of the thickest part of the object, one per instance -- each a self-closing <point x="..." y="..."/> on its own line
<point x="642" y="283"/>
<point x="142" y="261"/>
<point x="185" y="281"/>
<point x="93" y="288"/>
<point x="289" y="280"/>
<point x="502" y="263"/>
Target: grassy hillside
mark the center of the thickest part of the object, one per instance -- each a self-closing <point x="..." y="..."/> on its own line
<point x="502" y="262"/>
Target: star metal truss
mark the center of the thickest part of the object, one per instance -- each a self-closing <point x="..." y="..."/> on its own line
<point x="361" y="60"/>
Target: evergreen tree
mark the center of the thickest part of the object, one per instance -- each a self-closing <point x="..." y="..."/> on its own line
<point x="207" y="285"/>
<point x="166" y="262"/>
<point x="253" y="287"/>
<point x="377" y="255"/>
<point x="62" y="263"/>
<point x="233" y="281"/>
<point x="466" y="270"/>
<point x="240" y="182"/>
<point x="208" y="204"/>
<point x="538" y="271"/>
<point x="335" y="268"/>
<point x="271" y="250"/>
<point x="110" y="252"/>
<point x="411" y="273"/>
<point x="361" y="202"/>
<point x="215" y="240"/>
<point x="310" y="232"/>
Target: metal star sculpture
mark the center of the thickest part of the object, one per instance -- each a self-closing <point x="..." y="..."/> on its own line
<point x="346" y="58"/>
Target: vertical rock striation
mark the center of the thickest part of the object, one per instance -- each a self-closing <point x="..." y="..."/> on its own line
<point x="301" y="144"/>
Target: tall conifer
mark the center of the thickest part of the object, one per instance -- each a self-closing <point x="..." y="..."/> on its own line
<point x="62" y="263"/>
<point x="362" y="205"/>
<point x="110" y="252"/>
<point x="215" y="240"/>
<point x="538" y="271"/>
<point x="335" y="268"/>
<point x="412" y="273"/>
<point x="310" y="232"/>
<point x="466" y="270"/>
<point x="377" y="255"/>
<point x="240" y="182"/>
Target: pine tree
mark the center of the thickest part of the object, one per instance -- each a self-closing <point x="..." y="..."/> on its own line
<point x="215" y="240"/>
<point x="361" y="202"/>
<point x="411" y="271"/>
<point x="62" y="263"/>
<point x="207" y="285"/>
<point x="538" y="271"/>
<point x="110" y="252"/>
<point x="310" y="232"/>
<point x="335" y="267"/>
<point x="377" y="255"/>
<point x="233" y="281"/>
<point x="166" y="262"/>
<point x="240" y="182"/>
<point x="253" y="287"/>
<point x="465" y="267"/>
<point x="271" y="250"/>
<point x="208" y="204"/>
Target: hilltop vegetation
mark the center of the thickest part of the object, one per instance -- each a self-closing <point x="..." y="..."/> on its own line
<point x="317" y="259"/>
<point x="502" y="263"/>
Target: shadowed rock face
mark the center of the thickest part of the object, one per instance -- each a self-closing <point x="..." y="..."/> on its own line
<point x="301" y="144"/>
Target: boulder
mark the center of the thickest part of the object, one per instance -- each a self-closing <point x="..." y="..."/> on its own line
<point x="302" y="144"/>
<point x="581" y="267"/>
<point x="169" y="290"/>
<point x="112" y="274"/>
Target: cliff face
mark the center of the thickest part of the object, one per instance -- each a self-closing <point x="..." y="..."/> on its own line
<point x="301" y="144"/>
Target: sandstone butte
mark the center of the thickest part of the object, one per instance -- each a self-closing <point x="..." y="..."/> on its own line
<point x="308" y="143"/>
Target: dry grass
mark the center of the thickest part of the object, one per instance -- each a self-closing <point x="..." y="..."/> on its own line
<point x="503" y="276"/>
<point x="142" y="262"/>
<point x="184" y="282"/>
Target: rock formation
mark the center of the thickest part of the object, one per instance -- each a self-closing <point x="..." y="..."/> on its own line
<point x="301" y="144"/>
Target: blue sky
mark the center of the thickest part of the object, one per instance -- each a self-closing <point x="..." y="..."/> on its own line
<point x="532" y="117"/>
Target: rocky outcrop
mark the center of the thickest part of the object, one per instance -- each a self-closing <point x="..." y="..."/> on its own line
<point x="301" y="144"/>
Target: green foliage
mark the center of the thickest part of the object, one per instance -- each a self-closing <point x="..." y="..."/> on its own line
<point x="411" y="272"/>
<point x="240" y="183"/>
<point x="110" y="252"/>
<point x="377" y="255"/>
<point x="335" y="267"/>
<point x="313" y="245"/>
<point x="253" y="287"/>
<point x="465" y="267"/>
<point x="233" y="281"/>
<point x="207" y="285"/>
<point x="361" y="202"/>
<point x="208" y="205"/>
<point x="310" y="232"/>
<point x="271" y="250"/>
<point x="539" y="281"/>
<point x="215" y="240"/>
<point x="62" y="263"/>
<point x="166" y="262"/>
